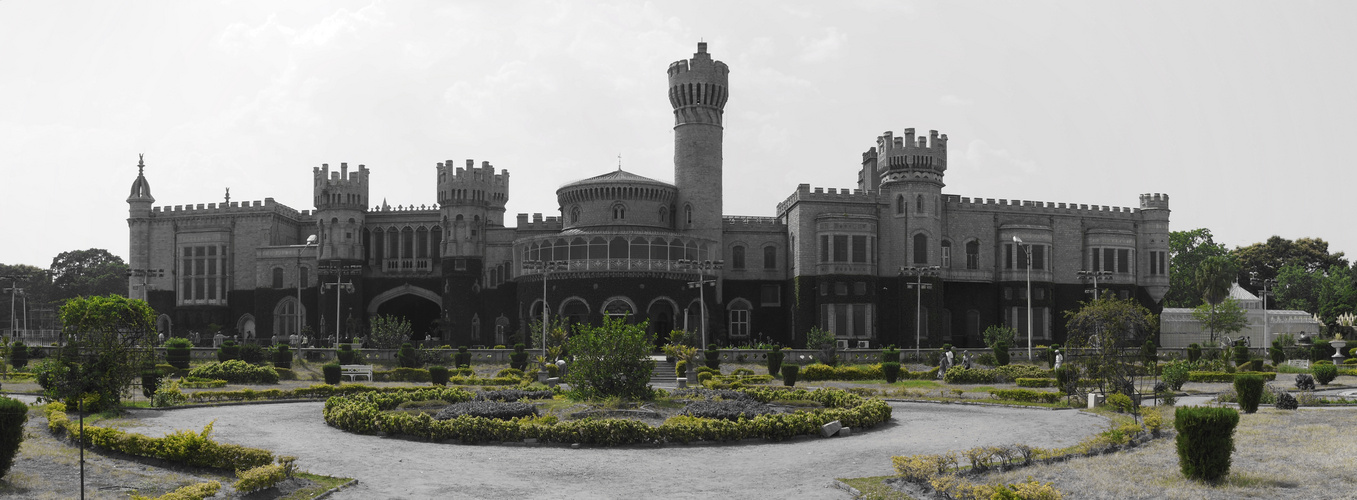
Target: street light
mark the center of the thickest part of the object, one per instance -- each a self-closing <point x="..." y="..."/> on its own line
<point x="545" y="267"/>
<point x="340" y="271"/>
<point x="1267" y="284"/>
<point x="1094" y="275"/>
<point x="919" y="286"/>
<point x="1028" y="252"/>
<point x="702" y="266"/>
<point x="310" y="240"/>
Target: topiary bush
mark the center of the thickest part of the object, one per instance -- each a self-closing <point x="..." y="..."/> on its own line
<point x="891" y="370"/>
<point x="346" y="354"/>
<point x="789" y="373"/>
<point x="1285" y="401"/>
<point x="713" y="357"/>
<point x="228" y="351"/>
<point x="252" y="354"/>
<point x="439" y="374"/>
<point x="1001" y="356"/>
<point x="150" y="381"/>
<point x="178" y="352"/>
<point x="407" y="356"/>
<point x="18" y="355"/>
<point x="1121" y="402"/>
<point x="681" y="368"/>
<point x="1175" y="374"/>
<point x="236" y="372"/>
<point x="1276" y="352"/>
<point x="1250" y="391"/>
<point x="332" y="373"/>
<point x="1324" y="373"/>
<point x="1241" y="355"/>
<point x="1205" y="441"/>
<point x="775" y="360"/>
<point x="1194" y="352"/>
<point x="519" y="358"/>
<point x="13" y="415"/>
<point x="1067" y="379"/>
<point x="890" y="355"/>
<point x="282" y="357"/>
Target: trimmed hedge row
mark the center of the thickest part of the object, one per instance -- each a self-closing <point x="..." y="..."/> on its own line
<point x="318" y="391"/>
<point x="197" y="491"/>
<point x="236" y="371"/>
<point x="998" y="374"/>
<point x="366" y="413"/>
<point x="1036" y="382"/>
<point x="1026" y="395"/>
<point x="1212" y="377"/>
<point x="183" y="447"/>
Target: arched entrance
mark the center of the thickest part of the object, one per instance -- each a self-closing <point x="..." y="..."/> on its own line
<point x="661" y="317"/>
<point x="419" y="306"/>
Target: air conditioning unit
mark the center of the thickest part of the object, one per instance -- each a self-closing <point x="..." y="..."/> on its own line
<point x="864" y="344"/>
<point x="843" y="344"/>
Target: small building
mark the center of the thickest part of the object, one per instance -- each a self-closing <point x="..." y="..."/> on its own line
<point x="1177" y="327"/>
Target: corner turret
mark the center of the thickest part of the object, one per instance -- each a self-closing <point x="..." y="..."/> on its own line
<point x="911" y="159"/>
<point x="341" y="204"/>
<point x="140" y="200"/>
<point x="470" y="199"/>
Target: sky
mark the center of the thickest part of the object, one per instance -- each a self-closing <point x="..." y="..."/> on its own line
<point x="1243" y="112"/>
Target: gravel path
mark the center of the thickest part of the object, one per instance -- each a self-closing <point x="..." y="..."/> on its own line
<point x="801" y="468"/>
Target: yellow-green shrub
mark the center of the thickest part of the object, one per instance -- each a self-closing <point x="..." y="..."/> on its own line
<point x="191" y="492"/>
<point x="184" y="447"/>
<point x="262" y="477"/>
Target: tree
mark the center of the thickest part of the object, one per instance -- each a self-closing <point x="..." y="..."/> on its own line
<point x="1215" y="277"/>
<point x="1329" y="293"/>
<point x="36" y="286"/>
<point x="999" y="333"/>
<point x="108" y="339"/>
<point x="1265" y="260"/>
<point x="88" y="273"/>
<point x="388" y="332"/>
<point x="825" y="343"/>
<point x="610" y="360"/>
<point x="1187" y="250"/>
<point x="1227" y="317"/>
<point x="1112" y="329"/>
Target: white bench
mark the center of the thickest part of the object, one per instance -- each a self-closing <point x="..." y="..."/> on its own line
<point x="355" y="371"/>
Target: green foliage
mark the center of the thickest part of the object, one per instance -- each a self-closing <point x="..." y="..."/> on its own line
<point x="995" y="334"/>
<point x="1215" y="277"/>
<point x="1149" y="354"/>
<point x="789" y="373"/>
<point x="891" y="370"/>
<point x="1250" y="390"/>
<point x="346" y="354"/>
<point x="1205" y="441"/>
<point x="194" y="449"/>
<point x="713" y="357"/>
<point x="282" y="356"/>
<point x="1175" y="374"/>
<point x="1067" y="379"/>
<point x="179" y="352"/>
<point x="1324" y="373"/>
<point x="252" y="354"/>
<point x="1227" y="316"/>
<point x="87" y="273"/>
<point x="1104" y="326"/>
<point x="1187" y="250"/>
<point x="439" y="374"/>
<point x="1225" y="377"/>
<point x="109" y="340"/>
<point x="1036" y="382"/>
<point x="168" y="395"/>
<point x="519" y="358"/>
<point x="611" y="360"/>
<point x="462" y="359"/>
<point x="150" y="381"/>
<point x="387" y="332"/>
<point x="18" y="355"/>
<point x="1276" y="353"/>
<point x="1001" y="356"/>
<point x="1121" y="402"/>
<point x="262" y="477"/>
<point x="408" y="356"/>
<point x="237" y="372"/>
<point x="823" y="342"/>
<point x="402" y="375"/>
<point x="775" y="360"/>
<point x="13" y="415"/>
<point x="681" y="368"/>
<point x="228" y="351"/>
<point x="1241" y="356"/>
<point x="197" y="491"/>
<point x="333" y="372"/>
<point x="1026" y="395"/>
<point x="1194" y="352"/>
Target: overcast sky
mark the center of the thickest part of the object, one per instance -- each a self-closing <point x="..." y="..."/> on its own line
<point x="1243" y="112"/>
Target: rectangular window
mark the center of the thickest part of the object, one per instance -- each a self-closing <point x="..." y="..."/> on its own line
<point x="770" y="295"/>
<point x="459" y="264"/>
<point x="1163" y="263"/>
<point x="947" y="256"/>
<point x="859" y="249"/>
<point x="1096" y="264"/>
<point x="859" y="288"/>
<point x="840" y="248"/>
<point x="1109" y="259"/>
<point x="847" y="320"/>
<point x="859" y="326"/>
<point x="1008" y="256"/>
<point x="202" y="275"/>
<point x="824" y="248"/>
<point x="1123" y="260"/>
<point x="739" y="322"/>
<point x="1038" y="256"/>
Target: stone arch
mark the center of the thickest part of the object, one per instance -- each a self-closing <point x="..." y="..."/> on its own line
<point x="610" y="307"/>
<point x="405" y="289"/>
<point x="246" y="326"/>
<point x="285" y="314"/>
<point x="164" y="325"/>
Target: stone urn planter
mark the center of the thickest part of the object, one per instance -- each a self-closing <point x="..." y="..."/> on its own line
<point x="1338" y="344"/>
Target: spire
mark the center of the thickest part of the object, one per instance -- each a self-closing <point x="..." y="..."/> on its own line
<point x="141" y="188"/>
<point x="228" y="196"/>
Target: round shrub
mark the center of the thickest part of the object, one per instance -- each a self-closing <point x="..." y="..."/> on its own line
<point x="439" y="374"/>
<point x="713" y="358"/>
<point x="282" y="357"/>
<point x="228" y="351"/>
<point x="1120" y="402"/>
<point x="1250" y="390"/>
<point x="150" y="381"/>
<point x="13" y="415"/>
<point x="462" y="358"/>
<point x="332" y="373"/>
<point x="890" y="356"/>
<point x="519" y="358"/>
<point x="252" y="354"/>
<point x="507" y="372"/>
<point x="681" y="368"/>
<point x="703" y="377"/>
<point x="1305" y="382"/>
<point x="346" y="354"/>
<point x="237" y="372"/>
<point x="1324" y="373"/>
<point x="1176" y="374"/>
<point x="789" y="373"/>
<point x="1205" y="441"/>
<point x="1285" y="401"/>
<point x="407" y="356"/>
<point x="18" y="355"/>
<point x="891" y="370"/>
<point x="1001" y="357"/>
<point x="178" y="352"/>
<point x="1194" y="352"/>
<point x="775" y="361"/>
<point x="1067" y="379"/>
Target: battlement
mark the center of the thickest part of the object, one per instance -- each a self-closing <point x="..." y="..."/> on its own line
<point x="552" y="223"/>
<point x="1154" y="201"/>
<point x="403" y="208"/>
<point x="701" y="62"/>
<point x="342" y="189"/>
<point x="748" y="222"/>
<point x="910" y="152"/>
<point x="267" y="206"/>
<point x="955" y="202"/>
<point x="819" y="194"/>
<point x="472" y="184"/>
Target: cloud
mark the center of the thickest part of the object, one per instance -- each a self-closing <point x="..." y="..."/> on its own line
<point x="823" y="48"/>
<point x="954" y="101"/>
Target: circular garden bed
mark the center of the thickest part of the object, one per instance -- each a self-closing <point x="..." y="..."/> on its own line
<point x="455" y="414"/>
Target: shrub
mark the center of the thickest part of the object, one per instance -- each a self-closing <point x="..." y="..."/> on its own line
<point x="726" y="409"/>
<point x="236" y="372"/>
<point x="1149" y="353"/>
<point x="178" y="352"/>
<point x="1205" y="441"/>
<point x="1250" y="390"/>
<point x="332" y="373"/>
<point x="262" y="477"/>
<point x="1121" y="402"/>
<point x="611" y="360"/>
<point x="1008" y="373"/>
<point x="1166" y="398"/>
<point x="1276" y="352"/>
<point x="1285" y="401"/>
<point x="228" y="351"/>
<point x="681" y="368"/>
<point x="890" y="355"/>
<point x="1067" y="379"/>
<point x="703" y="377"/>
<point x="346" y="354"/>
<point x="816" y="371"/>
<point x="18" y="355"/>
<point x="13" y="415"/>
<point x="1036" y="382"/>
<point x="963" y="375"/>
<point x="462" y="358"/>
<point x="402" y="375"/>
<point x="150" y="381"/>
<point x="1194" y="352"/>
<point x="789" y="374"/>
<point x="439" y="374"/>
<point x="487" y="409"/>
<point x="1050" y="355"/>
<point x="713" y="358"/>
<point x="987" y="359"/>
<point x="519" y="358"/>
<point x="1305" y="382"/>
<point x="282" y="357"/>
<point x="197" y="491"/>
<point x="1241" y="355"/>
<point x="1001" y="357"/>
<point x="285" y="373"/>
<point x="1324" y="373"/>
<point x="1026" y="395"/>
<point x="169" y="395"/>
<point x="1227" y="377"/>
<point x="252" y="354"/>
<point x="1175" y="374"/>
<point x="775" y="360"/>
<point x="891" y="369"/>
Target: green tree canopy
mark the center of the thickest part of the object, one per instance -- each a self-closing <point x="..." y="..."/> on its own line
<point x="1113" y="330"/>
<point x="1187" y="250"/>
<point x="610" y="360"/>
<point x="1328" y="293"/>
<point x="1226" y="317"/>
<point x="388" y="332"/>
<point x="999" y="333"/>
<point x="1261" y="261"/>
<point x="108" y="339"/>
<point x="88" y="273"/>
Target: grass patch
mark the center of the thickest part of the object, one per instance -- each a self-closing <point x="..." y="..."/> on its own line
<point x="875" y="488"/>
<point x="323" y="484"/>
<point x="917" y="384"/>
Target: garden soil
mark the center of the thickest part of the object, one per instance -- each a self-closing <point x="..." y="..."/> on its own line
<point x="800" y="468"/>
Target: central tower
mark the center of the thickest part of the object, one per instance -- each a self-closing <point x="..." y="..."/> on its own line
<point x="698" y="92"/>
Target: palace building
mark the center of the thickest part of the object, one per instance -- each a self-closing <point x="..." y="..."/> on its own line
<point x="623" y="245"/>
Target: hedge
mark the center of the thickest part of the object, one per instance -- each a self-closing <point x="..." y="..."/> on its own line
<point x="191" y="492"/>
<point x="366" y="413"/>
<point x="1026" y="395"/>
<point x="1205" y="441"/>
<point x="1036" y="382"/>
<point x="1214" y="377"/>
<point x="237" y="372"/>
<point x="183" y="447"/>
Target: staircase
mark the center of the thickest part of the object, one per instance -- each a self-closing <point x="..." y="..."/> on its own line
<point x="664" y="372"/>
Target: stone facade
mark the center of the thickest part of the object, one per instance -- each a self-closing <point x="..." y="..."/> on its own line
<point x="626" y="245"/>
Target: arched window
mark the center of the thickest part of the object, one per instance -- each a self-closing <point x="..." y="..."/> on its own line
<point x="737" y="257"/>
<point x="664" y="215"/>
<point x="575" y="215"/>
<point x="770" y="257"/>
<point x="919" y="203"/>
<point x="900" y="204"/>
<point x="575" y="311"/>
<point x="688" y="209"/>
<point x="277" y="277"/>
<point x="738" y="313"/>
<point x="286" y="315"/>
<point x="972" y="254"/>
<point x="618" y="309"/>
<point x="920" y="249"/>
<point x="619" y="212"/>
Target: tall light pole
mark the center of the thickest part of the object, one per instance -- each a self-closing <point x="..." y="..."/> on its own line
<point x="702" y="266"/>
<point x="1094" y="275"/>
<point x="310" y="241"/>
<point x="1028" y="252"/>
<point x="339" y="284"/>
<point x="545" y="267"/>
<point x="1267" y="284"/>
<point x="919" y="286"/>
<point x="13" y="289"/>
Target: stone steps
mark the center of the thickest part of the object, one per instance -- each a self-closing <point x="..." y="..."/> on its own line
<point x="664" y="372"/>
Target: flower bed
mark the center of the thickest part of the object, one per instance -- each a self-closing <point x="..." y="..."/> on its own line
<point x="367" y="413"/>
<point x="183" y="447"/>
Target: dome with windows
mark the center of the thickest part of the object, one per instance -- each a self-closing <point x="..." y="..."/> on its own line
<point x="617" y="198"/>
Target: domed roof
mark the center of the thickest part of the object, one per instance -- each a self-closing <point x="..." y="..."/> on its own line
<point x="618" y="176"/>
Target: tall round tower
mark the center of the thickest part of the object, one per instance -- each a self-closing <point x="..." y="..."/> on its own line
<point x="470" y="199"/>
<point x="139" y="202"/>
<point x="698" y="92"/>
<point x="341" y="204"/>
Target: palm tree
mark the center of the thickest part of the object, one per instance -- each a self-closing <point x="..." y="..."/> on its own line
<point x="1215" y="278"/>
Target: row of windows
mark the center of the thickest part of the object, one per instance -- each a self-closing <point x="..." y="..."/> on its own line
<point x="202" y="275"/>
<point x="619" y="213"/>
<point x="858" y="248"/>
<point x="737" y="258"/>
<point x="616" y="248"/>
<point x="847" y="248"/>
<point x="304" y="275"/>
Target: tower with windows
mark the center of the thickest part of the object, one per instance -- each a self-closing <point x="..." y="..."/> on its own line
<point x="908" y="172"/>
<point x="139" y="202"/>
<point x="470" y="199"/>
<point x="341" y="200"/>
<point x="698" y="89"/>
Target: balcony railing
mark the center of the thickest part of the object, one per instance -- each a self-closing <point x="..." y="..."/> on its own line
<point x="407" y="266"/>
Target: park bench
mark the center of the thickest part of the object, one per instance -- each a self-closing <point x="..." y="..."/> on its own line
<point x="355" y="371"/>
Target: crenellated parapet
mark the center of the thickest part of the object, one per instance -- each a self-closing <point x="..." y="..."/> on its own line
<point x="962" y="203"/>
<point x="698" y="88"/>
<point x="909" y="158"/>
<point x="538" y="223"/>
<point x="1154" y="201"/>
<point x="341" y="190"/>
<point x="267" y="206"/>
<point x="804" y="193"/>
<point x="472" y="185"/>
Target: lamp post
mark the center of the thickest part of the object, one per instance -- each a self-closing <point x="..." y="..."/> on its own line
<point x="919" y="286"/>
<point x="1093" y="276"/>
<point x="545" y="267"/>
<point x="13" y="290"/>
<point x="310" y="240"/>
<point x="1267" y="285"/>
<point x="339" y="284"/>
<point x="1028" y="252"/>
<point x="701" y="266"/>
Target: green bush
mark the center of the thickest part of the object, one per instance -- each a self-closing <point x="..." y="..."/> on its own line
<point x="816" y="371"/>
<point x="713" y="358"/>
<point x="332" y="373"/>
<point x="1121" y="402"/>
<point x="179" y="352"/>
<point x="1175" y="374"/>
<point x="228" y="351"/>
<point x="519" y="358"/>
<point x="1001" y="356"/>
<point x="237" y="372"/>
<point x="1276" y="352"/>
<point x="1194" y="352"/>
<point x="612" y="359"/>
<point x="1026" y="395"/>
<point x="507" y="372"/>
<point x="775" y="360"/>
<point x="1324" y="373"/>
<point x="1250" y="390"/>
<point x="1036" y="382"/>
<point x="1149" y="353"/>
<point x="407" y="356"/>
<point x="462" y="359"/>
<point x="1226" y="377"/>
<point x="891" y="370"/>
<point x="169" y="395"/>
<point x="18" y="355"/>
<point x="1241" y="355"/>
<point x="890" y="356"/>
<point x="439" y="374"/>
<point x="197" y="491"/>
<point x="703" y="377"/>
<point x="150" y="381"/>
<point x="194" y="449"/>
<point x="346" y="354"/>
<point x="13" y="415"/>
<point x="1205" y="441"/>
<point x="402" y="375"/>
<point x="681" y="368"/>
<point x="1067" y="379"/>
<point x="282" y="356"/>
<point x="789" y="373"/>
<point x="262" y="477"/>
<point x="252" y="354"/>
<point x="963" y="375"/>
